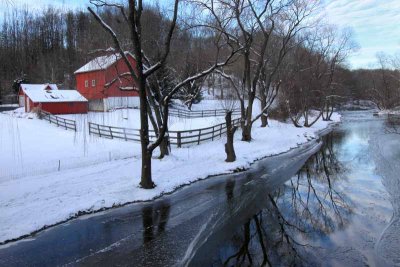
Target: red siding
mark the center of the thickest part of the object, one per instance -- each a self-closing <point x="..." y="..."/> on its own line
<point x="66" y="107"/>
<point x="91" y="92"/>
<point x="112" y="72"/>
<point x="103" y="77"/>
<point x="60" y="107"/>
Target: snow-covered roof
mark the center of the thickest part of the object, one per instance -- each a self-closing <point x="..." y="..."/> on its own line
<point x="44" y="96"/>
<point x="101" y="63"/>
<point x="44" y="86"/>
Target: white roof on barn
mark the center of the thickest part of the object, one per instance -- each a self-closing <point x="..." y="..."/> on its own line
<point x="45" y="96"/>
<point x="44" y="86"/>
<point x="100" y="63"/>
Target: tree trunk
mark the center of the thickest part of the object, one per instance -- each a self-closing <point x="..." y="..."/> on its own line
<point x="264" y="118"/>
<point x="246" y="128"/>
<point x="164" y="147"/>
<point x="230" y="132"/>
<point x="264" y="121"/>
<point x="246" y="133"/>
<point x="145" y="180"/>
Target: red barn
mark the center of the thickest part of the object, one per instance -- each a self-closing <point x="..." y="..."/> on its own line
<point x="99" y="82"/>
<point x="50" y="99"/>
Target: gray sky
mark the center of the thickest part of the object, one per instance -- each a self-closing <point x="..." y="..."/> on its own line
<point x="375" y="23"/>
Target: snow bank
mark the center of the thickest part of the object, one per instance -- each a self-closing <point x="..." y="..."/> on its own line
<point x="389" y="112"/>
<point x="33" y="202"/>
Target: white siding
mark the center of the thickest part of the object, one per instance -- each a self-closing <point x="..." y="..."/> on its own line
<point x="121" y="102"/>
<point x="22" y="101"/>
<point x="96" y="105"/>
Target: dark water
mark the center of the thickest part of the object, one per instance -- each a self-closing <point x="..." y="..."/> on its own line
<point x="324" y="204"/>
<point x="308" y="208"/>
<point x="334" y="212"/>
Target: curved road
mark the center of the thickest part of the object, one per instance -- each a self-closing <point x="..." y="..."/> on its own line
<point x="172" y="230"/>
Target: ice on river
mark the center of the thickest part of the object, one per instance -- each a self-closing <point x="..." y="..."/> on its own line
<point x="386" y="152"/>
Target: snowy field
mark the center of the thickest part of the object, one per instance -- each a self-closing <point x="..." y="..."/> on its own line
<point x="129" y="118"/>
<point x="31" y="146"/>
<point x="59" y="173"/>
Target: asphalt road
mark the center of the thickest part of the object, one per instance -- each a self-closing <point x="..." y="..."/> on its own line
<point x="180" y="229"/>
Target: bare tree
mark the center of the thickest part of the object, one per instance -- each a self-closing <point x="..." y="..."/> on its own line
<point x="145" y="69"/>
<point x="258" y="23"/>
<point x="311" y="87"/>
<point x="229" y="104"/>
<point x="385" y="83"/>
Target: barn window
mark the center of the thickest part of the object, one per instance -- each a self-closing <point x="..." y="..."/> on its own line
<point x="86" y="83"/>
<point x="93" y="83"/>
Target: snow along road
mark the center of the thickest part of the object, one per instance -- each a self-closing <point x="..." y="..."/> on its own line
<point x="163" y="232"/>
<point x="32" y="203"/>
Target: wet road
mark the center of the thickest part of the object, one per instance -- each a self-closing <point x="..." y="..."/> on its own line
<point x="321" y="204"/>
<point x="165" y="232"/>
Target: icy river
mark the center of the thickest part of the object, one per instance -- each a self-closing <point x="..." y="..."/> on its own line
<point x="331" y="202"/>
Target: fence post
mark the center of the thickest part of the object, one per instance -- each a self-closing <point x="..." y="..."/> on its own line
<point x="125" y="134"/>
<point x="202" y="113"/>
<point x="57" y="121"/>
<point x="220" y="130"/>
<point x="215" y="113"/>
<point x="65" y="124"/>
<point x="179" y="141"/>
<point x="98" y="128"/>
<point x="198" y="140"/>
<point x="212" y="137"/>
<point x="109" y="128"/>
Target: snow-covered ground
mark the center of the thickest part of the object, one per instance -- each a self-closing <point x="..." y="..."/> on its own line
<point x="389" y="112"/>
<point x="30" y="146"/>
<point x="57" y="173"/>
<point x="129" y="118"/>
<point x="61" y="150"/>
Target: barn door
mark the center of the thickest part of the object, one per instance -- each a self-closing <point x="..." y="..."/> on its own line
<point x="22" y="101"/>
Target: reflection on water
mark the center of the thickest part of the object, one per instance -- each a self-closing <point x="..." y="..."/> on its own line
<point x="154" y="221"/>
<point x="392" y="124"/>
<point x="309" y="206"/>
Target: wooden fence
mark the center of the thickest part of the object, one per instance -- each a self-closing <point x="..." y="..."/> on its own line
<point x="178" y="138"/>
<point x="60" y="122"/>
<point x="182" y="113"/>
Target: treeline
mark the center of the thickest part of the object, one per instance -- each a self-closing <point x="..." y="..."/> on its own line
<point x="380" y="85"/>
<point x="50" y="46"/>
<point x="47" y="46"/>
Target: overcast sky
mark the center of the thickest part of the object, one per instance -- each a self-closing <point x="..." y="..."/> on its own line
<point x="375" y="23"/>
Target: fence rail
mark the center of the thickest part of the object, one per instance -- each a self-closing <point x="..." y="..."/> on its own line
<point x="60" y="122"/>
<point x="182" y="113"/>
<point x="178" y="138"/>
